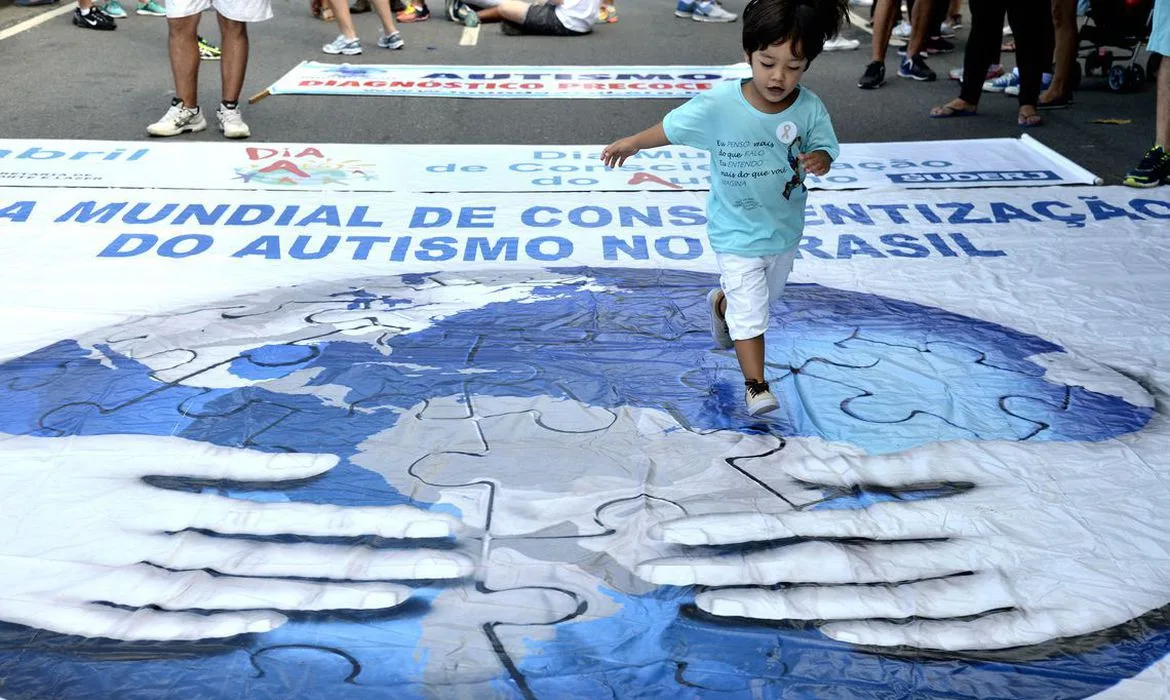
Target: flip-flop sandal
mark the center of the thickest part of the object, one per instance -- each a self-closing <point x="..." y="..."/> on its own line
<point x="1029" y="122"/>
<point x="949" y="112"/>
<point x="1062" y="103"/>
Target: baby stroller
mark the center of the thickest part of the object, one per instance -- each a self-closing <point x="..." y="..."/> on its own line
<point x="1122" y="25"/>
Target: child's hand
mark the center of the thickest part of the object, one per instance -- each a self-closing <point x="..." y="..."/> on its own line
<point x="815" y="163"/>
<point x="615" y="154"/>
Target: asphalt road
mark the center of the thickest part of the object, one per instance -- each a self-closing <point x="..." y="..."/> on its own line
<point x="58" y="81"/>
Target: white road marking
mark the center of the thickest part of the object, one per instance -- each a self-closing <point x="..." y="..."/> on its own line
<point x="470" y="36"/>
<point x="34" y="21"/>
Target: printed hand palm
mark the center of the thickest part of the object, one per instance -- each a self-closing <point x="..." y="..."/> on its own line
<point x="1054" y="540"/>
<point x="86" y="545"/>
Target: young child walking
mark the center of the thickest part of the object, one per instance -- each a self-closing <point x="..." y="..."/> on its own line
<point x="764" y="134"/>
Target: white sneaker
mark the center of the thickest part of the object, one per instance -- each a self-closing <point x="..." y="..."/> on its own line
<point x="720" y="333"/>
<point x="840" y="43"/>
<point x="902" y="31"/>
<point x="759" y="398"/>
<point x="179" y="119"/>
<point x="231" y="123"/>
<point x="344" y="46"/>
<point x="709" y="11"/>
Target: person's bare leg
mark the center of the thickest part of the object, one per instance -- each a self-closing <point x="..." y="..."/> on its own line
<point x="883" y="25"/>
<point x="385" y="14"/>
<point x="1162" y="120"/>
<point x="750" y="354"/>
<point x="234" y="62"/>
<point x="183" y="41"/>
<point x="489" y="15"/>
<point x="1064" y="22"/>
<point x="344" y="18"/>
<point x="920" y="26"/>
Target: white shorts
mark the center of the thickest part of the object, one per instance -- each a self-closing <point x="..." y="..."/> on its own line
<point x="238" y="10"/>
<point x="751" y="285"/>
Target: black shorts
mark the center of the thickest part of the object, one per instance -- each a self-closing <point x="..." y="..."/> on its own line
<point x="542" y="19"/>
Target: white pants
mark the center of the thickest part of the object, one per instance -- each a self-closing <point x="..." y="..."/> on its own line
<point x="238" y="10"/>
<point x="750" y="286"/>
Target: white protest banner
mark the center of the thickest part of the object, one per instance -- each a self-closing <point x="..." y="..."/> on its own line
<point x="246" y="382"/>
<point x="511" y="82"/>
<point x="1023" y="162"/>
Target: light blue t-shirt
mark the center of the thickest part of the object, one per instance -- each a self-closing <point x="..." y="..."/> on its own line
<point x="756" y="205"/>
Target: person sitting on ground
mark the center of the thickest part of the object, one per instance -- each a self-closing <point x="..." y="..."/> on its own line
<point x="551" y="18"/>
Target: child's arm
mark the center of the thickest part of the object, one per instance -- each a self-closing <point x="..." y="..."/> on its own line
<point x="816" y="163"/>
<point x="616" y="153"/>
<point x="822" y="145"/>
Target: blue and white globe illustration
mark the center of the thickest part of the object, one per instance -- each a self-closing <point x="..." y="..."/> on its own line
<point x="560" y="414"/>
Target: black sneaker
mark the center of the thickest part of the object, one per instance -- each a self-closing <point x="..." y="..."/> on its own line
<point x="915" y="68"/>
<point x="875" y="76"/>
<point x="1154" y="170"/>
<point x="96" y="19"/>
<point x="936" y="45"/>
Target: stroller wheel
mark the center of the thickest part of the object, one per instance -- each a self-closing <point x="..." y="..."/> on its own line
<point x="1117" y="78"/>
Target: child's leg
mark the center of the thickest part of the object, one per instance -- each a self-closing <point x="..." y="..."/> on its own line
<point x="754" y="285"/>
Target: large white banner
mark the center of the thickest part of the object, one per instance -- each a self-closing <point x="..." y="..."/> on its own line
<point x="560" y="82"/>
<point x="964" y="494"/>
<point x="1023" y="162"/>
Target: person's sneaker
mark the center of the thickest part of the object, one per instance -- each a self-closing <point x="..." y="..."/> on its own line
<point x="720" y="333"/>
<point x="840" y="43"/>
<point x="392" y="41"/>
<point x="113" y="8"/>
<point x="993" y="72"/>
<point x="95" y="19"/>
<point x="946" y="31"/>
<point x="936" y="45"/>
<point x="915" y="68"/>
<point x="231" y="122"/>
<point x="874" y="77"/>
<point x="606" y="15"/>
<point x="208" y="51"/>
<point x="344" y="46"/>
<point x="685" y="9"/>
<point x="956" y="22"/>
<point x="1003" y="82"/>
<point x="902" y="31"/>
<point x="1154" y="169"/>
<point x="150" y="8"/>
<point x="179" y="119"/>
<point x="414" y="13"/>
<point x="710" y="11"/>
<point x="759" y="397"/>
<point x="1014" y="89"/>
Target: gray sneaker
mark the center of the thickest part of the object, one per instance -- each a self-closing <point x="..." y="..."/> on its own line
<point x="344" y="46"/>
<point x="179" y="119"/>
<point x="392" y="41"/>
<point x="720" y="333"/>
<point x="759" y="398"/>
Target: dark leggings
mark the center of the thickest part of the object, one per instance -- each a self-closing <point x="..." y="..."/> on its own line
<point x="1031" y="22"/>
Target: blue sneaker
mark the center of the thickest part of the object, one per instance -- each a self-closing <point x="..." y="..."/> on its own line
<point x="710" y="11"/>
<point x="1003" y="82"/>
<point x="1014" y="88"/>
<point x="684" y="9"/>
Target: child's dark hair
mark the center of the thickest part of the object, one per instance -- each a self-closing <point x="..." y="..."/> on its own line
<point x="805" y="24"/>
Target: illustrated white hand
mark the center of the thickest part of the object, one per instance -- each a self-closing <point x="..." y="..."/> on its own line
<point x="87" y="547"/>
<point x="1051" y="540"/>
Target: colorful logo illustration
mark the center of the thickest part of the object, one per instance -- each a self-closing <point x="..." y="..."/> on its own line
<point x="306" y="167"/>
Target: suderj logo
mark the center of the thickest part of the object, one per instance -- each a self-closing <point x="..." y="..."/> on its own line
<point x="306" y="167"/>
<point x="976" y="176"/>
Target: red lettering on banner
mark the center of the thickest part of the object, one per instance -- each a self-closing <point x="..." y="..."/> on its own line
<point x="284" y="165"/>
<point x="375" y="83"/>
<point x="310" y="83"/>
<point x="401" y="84"/>
<point x="260" y="153"/>
<point x="639" y="178"/>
